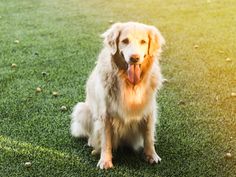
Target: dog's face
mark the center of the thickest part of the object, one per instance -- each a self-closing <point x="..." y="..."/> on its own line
<point x="135" y="43"/>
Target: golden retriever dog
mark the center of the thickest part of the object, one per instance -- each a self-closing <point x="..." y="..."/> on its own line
<point x="120" y="106"/>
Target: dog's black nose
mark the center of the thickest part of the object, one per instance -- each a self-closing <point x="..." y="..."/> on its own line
<point x="134" y="58"/>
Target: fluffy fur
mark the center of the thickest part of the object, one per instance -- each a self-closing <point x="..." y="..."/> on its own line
<point x="117" y="111"/>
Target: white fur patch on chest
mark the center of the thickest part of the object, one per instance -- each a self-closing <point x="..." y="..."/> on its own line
<point x="132" y="104"/>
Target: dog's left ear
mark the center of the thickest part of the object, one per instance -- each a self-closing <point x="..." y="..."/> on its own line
<point x="156" y="41"/>
<point x="111" y="36"/>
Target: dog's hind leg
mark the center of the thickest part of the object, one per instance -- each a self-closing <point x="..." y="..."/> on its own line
<point x="81" y="123"/>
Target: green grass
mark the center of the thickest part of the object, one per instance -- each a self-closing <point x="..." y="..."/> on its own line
<point x="62" y="38"/>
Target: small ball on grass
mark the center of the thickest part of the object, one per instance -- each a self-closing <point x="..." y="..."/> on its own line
<point x="55" y="94"/>
<point x="196" y="46"/>
<point x="63" y="108"/>
<point x="38" y="90"/>
<point x="233" y="94"/>
<point x="13" y="65"/>
<point x="28" y="164"/>
<point x="16" y="41"/>
<point x="228" y="59"/>
<point x="228" y="155"/>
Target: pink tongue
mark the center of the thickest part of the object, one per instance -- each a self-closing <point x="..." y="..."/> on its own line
<point x="134" y="73"/>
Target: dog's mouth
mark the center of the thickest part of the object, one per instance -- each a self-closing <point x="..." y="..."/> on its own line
<point x="134" y="72"/>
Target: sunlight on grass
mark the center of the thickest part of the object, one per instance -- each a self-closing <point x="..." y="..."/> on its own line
<point x="23" y="148"/>
<point x="197" y="105"/>
<point x="41" y="156"/>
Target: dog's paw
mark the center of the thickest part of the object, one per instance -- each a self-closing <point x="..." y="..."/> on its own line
<point x="105" y="164"/>
<point x="153" y="158"/>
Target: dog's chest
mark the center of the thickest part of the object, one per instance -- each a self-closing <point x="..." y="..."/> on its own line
<point x="128" y="103"/>
<point x="134" y="98"/>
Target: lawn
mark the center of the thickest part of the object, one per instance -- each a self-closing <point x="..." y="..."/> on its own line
<point x="54" y="45"/>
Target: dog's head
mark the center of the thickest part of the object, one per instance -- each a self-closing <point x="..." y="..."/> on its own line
<point x="134" y="43"/>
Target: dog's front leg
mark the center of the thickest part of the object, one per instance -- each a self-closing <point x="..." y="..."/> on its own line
<point x="105" y="161"/>
<point x="149" y="138"/>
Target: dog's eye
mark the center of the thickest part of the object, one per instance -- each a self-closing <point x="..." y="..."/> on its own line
<point x="125" y="41"/>
<point x="143" y="42"/>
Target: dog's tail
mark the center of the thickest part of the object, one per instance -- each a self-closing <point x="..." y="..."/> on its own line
<point x="81" y="123"/>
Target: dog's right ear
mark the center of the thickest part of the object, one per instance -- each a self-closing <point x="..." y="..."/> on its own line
<point x="111" y="37"/>
<point x="156" y="41"/>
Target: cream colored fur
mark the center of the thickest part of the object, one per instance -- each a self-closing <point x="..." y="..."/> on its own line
<point x="116" y="112"/>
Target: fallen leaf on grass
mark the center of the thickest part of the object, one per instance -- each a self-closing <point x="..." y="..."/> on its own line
<point x="221" y="51"/>
<point x="44" y="73"/>
<point x="181" y="102"/>
<point x="16" y="41"/>
<point x="165" y="81"/>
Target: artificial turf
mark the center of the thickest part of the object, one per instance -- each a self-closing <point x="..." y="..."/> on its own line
<point x="61" y="38"/>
